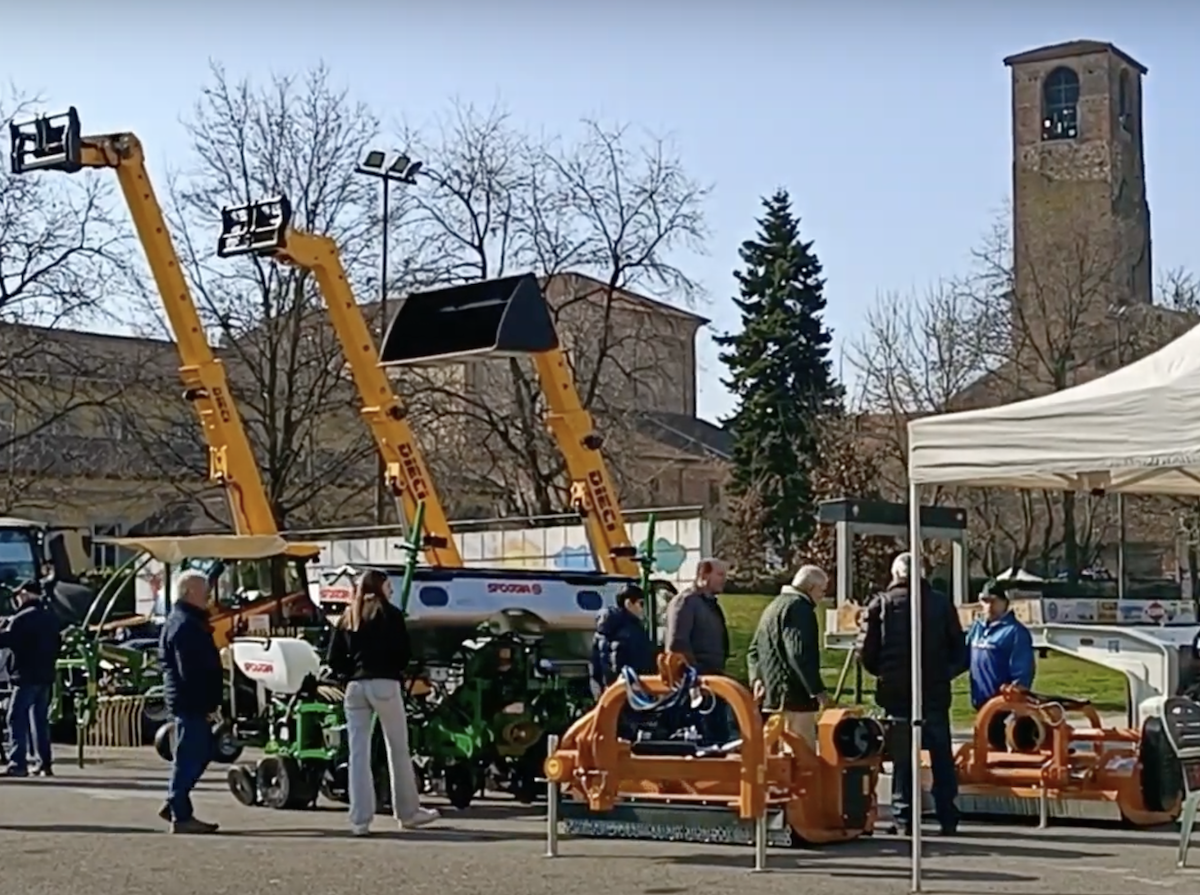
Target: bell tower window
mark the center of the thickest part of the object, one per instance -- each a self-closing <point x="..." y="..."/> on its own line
<point x="1060" y="105"/>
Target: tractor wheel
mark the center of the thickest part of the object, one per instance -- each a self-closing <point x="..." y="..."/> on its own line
<point x="243" y="784"/>
<point x="334" y="784"/>
<point x="164" y="741"/>
<point x="282" y="784"/>
<point x="461" y="785"/>
<point x="226" y="747"/>
<point x="1161" y="772"/>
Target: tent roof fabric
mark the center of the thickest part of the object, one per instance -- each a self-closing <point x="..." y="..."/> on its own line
<point x="1135" y="430"/>
<point x="175" y="550"/>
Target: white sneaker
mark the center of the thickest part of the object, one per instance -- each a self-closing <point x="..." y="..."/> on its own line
<point x="423" y="818"/>
<point x="360" y="830"/>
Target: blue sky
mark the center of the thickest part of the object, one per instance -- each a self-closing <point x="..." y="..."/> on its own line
<point x="889" y="123"/>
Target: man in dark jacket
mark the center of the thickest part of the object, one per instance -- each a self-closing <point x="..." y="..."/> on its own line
<point x="885" y="651"/>
<point x="33" y="638"/>
<point x="621" y="640"/>
<point x="194" y="682"/>
<point x="784" y="659"/>
<point x="696" y="629"/>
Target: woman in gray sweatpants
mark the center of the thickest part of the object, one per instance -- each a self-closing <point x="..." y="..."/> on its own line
<point x="370" y="650"/>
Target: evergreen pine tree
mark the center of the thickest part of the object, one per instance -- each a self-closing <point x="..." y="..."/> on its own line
<point x="780" y="374"/>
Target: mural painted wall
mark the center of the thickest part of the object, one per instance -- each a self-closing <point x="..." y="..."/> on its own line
<point x="679" y="545"/>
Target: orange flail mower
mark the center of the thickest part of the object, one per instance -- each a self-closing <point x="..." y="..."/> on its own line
<point x="676" y="789"/>
<point x="1053" y="756"/>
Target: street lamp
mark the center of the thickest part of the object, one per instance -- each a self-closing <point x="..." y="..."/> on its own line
<point x="387" y="169"/>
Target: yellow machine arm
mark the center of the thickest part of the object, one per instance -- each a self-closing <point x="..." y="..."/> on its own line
<point x="54" y="143"/>
<point x="510" y="317"/>
<point x="264" y="229"/>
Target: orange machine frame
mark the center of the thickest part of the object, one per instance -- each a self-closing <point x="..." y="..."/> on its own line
<point x="1057" y="768"/>
<point x="405" y="472"/>
<point x="774" y="767"/>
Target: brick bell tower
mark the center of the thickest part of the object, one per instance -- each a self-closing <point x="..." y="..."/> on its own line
<point x="1081" y="221"/>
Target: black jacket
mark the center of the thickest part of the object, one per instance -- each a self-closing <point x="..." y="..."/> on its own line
<point x="785" y="654"/>
<point x="621" y="641"/>
<point x="193" y="680"/>
<point x="885" y="649"/>
<point x="33" y="638"/>
<point x="378" y="650"/>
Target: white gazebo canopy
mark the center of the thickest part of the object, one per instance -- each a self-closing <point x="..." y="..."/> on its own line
<point x="1135" y="430"/>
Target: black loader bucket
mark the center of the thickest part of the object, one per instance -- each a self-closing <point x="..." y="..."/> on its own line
<point x="495" y="318"/>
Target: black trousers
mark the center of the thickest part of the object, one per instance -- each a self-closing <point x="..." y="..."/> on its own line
<point x="936" y="739"/>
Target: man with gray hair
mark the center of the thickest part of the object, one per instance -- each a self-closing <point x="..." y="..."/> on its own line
<point x="885" y="649"/>
<point x="785" y="655"/>
<point x="194" y="686"/>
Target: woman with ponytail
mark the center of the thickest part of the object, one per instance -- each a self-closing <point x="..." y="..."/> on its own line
<point x="369" y="651"/>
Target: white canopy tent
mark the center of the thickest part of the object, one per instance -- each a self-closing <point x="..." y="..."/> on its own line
<point x="1136" y="430"/>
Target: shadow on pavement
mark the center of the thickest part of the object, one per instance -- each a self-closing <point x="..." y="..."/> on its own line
<point x="428" y="834"/>
<point x="496" y="811"/>
<point x="90" y="829"/>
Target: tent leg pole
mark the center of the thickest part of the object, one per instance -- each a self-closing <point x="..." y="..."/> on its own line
<point x="917" y="801"/>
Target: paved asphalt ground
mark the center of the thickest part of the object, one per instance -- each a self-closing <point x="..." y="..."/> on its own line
<point x="94" y="830"/>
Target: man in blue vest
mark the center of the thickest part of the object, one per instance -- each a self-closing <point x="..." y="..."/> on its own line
<point x="1000" y="650"/>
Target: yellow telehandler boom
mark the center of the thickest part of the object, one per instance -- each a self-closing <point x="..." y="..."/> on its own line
<point x="54" y="143"/>
<point x="265" y="229"/>
<point x="510" y="317"/>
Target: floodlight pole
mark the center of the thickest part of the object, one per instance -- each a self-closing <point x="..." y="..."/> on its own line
<point x="386" y="175"/>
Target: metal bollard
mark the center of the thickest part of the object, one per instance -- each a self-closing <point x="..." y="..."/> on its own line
<point x="1043" y="807"/>
<point x="552" y="794"/>
<point x="760" y="843"/>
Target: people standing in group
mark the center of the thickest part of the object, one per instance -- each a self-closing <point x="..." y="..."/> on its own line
<point x="697" y="630"/>
<point x="369" y="651"/>
<point x="784" y="659"/>
<point x="194" y="687"/>
<point x="32" y="637"/>
<point x="885" y="650"/>
<point x="1000" y="650"/>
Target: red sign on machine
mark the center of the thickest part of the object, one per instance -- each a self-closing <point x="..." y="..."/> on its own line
<point x="336" y="595"/>
<point x="258" y="667"/>
<point x="512" y="587"/>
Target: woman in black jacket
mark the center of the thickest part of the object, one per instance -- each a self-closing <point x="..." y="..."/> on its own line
<point x="369" y="651"/>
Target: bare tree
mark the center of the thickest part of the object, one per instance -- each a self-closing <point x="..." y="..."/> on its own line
<point x="63" y="261"/>
<point x="992" y="337"/>
<point x="601" y="218"/>
<point x="299" y="136"/>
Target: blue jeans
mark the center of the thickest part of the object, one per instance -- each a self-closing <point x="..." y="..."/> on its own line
<point x="935" y="738"/>
<point x="30" y="703"/>
<point x="193" y="750"/>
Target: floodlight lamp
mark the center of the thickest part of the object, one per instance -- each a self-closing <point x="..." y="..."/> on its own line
<point x="374" y="160"/>
<point x="399" y="165"/>
<point x="412" y="170"/>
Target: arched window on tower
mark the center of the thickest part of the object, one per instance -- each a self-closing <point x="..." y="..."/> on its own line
<point x="1060" y="105"/>
<point x="1124" y="101"/>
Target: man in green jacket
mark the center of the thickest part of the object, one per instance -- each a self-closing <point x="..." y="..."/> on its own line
<point x="785" y="655"/>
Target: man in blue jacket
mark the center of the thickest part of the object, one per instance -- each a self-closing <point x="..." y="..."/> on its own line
<point x="1000" y="650"/>
<point x="621" y="639"/>
<point x="194" y="685"/>
<point x="33" y="638"/>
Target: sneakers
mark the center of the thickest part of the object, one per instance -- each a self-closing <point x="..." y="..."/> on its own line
<point x="44" y="772"/>
<point x="14" y="771"/>
<point x="193" y="827"/>
<point x="360" y="830"/>
<point x="422" y="818"/>
<point x="165" y="812"/>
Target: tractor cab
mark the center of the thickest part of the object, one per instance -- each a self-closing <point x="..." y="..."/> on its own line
<point x="29" y="550"/>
